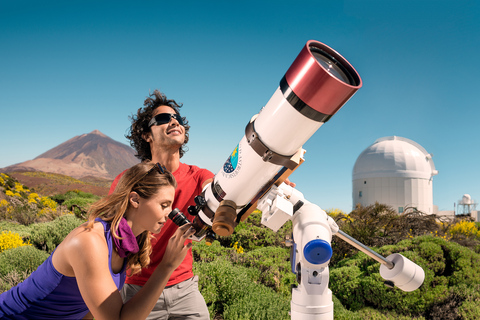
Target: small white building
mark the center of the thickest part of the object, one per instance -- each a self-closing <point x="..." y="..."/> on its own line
<point x="395" y="171"/>
<point x="468" y="206"/>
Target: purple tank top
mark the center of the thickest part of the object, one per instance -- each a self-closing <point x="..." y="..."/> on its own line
<point x="47" y="294"/>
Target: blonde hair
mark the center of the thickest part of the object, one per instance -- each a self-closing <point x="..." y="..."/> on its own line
<point x="145" y="180"/>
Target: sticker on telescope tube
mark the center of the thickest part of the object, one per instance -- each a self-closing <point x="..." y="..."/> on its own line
<point x="233" y="164"/>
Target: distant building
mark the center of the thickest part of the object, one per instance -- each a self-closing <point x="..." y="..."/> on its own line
<point x="395" y="171"/>
<point x="467" y="207"/>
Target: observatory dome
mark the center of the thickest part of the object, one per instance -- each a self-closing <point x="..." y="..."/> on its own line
<point x="394" y="157"/>
<point x="466" y="199"/>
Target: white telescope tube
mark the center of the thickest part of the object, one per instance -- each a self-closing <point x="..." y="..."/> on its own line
<point x="318" y="83"/>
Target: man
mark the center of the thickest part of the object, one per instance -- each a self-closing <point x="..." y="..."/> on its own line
<point x="158" y="133"/>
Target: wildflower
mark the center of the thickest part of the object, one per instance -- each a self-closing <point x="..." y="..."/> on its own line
<point x="9" y="193"/>
<point x="44" y="212"/>
<point x="18" y="187"/>
<point x="49" y="203"/>
<point x="237" y="247"/>
<point x="466" y="228"/>
<point x="11" y="240"/>
<point x="33" y="197"/>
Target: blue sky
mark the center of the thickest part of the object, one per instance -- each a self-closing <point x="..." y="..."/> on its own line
<point x="70" y="67"/>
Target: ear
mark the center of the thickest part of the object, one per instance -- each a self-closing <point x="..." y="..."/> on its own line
<point x="147" y="137"/>
<point x="134" y="199"/>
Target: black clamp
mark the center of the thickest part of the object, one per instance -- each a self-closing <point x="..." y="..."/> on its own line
<point x="264" y="152"/>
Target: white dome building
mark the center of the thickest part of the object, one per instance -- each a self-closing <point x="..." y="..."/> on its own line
<point x="395" y="171"/>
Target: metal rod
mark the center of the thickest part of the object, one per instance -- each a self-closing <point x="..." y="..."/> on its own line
<point x="360" y="246"/>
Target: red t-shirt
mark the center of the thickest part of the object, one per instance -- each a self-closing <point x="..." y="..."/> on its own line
<point x="189" y="185"/>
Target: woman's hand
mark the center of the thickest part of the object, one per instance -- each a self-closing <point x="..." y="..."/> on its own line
<point x="176" y="248"/>
<point x="143" y="302"/>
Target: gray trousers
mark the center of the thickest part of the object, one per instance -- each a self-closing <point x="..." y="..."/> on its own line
<point x="182" y="301"/>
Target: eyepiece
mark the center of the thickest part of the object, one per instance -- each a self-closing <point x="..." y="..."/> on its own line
<point x="180" y="219"/>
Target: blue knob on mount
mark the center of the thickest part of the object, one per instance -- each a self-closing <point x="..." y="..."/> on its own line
<point x="317" y="251"/>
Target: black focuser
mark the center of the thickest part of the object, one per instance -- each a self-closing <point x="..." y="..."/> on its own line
<point x="200" y="202"/>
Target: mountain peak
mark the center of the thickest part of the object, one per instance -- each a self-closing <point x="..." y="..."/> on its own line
<point x="97" y="132"/>
<point x="93" y="154"/>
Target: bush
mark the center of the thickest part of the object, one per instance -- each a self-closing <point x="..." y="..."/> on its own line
<point x="21" y="259"/>
<point x="76" y="201"/>
<point x="470" y="308"/>
<point x="204" y="253"/>
<point x="24" y="206"/>
<point x="273" y="266"/>
<point x="449" y="270"/>
<point x="48" y="235"/>
<point x="22" y="230"/>
<point x="251" y="234"/>
<point x="11" y="279"/>
<point x="379" y="225"/>
<point x="11" y="240"/>
<point x="233" y="292"/>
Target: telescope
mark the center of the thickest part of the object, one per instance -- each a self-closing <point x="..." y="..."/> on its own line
<point x="317" y="84"/>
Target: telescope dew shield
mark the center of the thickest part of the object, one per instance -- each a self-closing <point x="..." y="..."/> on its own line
<point x="318" y="83"/>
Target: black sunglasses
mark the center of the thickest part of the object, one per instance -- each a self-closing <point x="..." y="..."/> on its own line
<point x="163" y="118"/>
<point x="157" y="166"/>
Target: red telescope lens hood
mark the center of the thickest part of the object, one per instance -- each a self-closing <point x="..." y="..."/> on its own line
<point x="322" y="79"/>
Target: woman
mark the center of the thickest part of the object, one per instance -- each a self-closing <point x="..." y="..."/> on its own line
<point x="86" y="271"/>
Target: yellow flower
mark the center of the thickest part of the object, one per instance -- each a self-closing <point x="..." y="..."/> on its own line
<point x="11" y="240"/>
<point x="9" y="193"/>
<point x="33" y="196"/>
<point x="237" y="247"/>
<point x="18" y="187"/>
<point x="49" y="203"/>
<point x="467" y="228"/>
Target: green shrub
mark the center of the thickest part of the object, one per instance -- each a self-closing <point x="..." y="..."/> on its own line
<point x="76" y="201"/>
<point x="205" y="253"/>
<point x="470" y="308"/>
<point x="251" y="234"/>
<point x="270" y="265"/>
<point x="372" y="314"/>
<point x="233" y="292"/>
<point x="48" y="235"/>
<point x="345" y="284"/>
<point x="260" y="303"/>
<point x="23" y="231"/>
<point x="356" y="281"/>
<point x="273" y="265"/>
<point x="21" y="259"/>
<point x="11" y="279"/>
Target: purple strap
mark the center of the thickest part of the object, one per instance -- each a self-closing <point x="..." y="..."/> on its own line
<point x="129" y="243"/>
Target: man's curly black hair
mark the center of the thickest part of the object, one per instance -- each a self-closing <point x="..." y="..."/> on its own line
<point x="140" y="124"/>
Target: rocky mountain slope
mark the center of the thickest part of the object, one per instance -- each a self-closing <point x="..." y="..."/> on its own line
<point x="92" y="154"/>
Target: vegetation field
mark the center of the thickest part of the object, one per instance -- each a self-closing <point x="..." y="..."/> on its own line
<point x="248" y="275"/>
